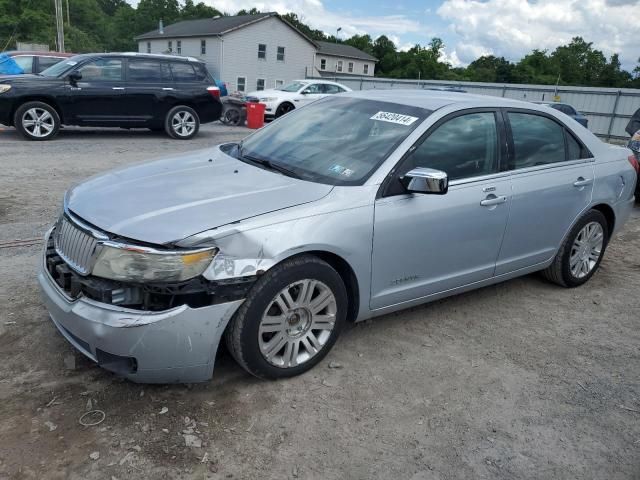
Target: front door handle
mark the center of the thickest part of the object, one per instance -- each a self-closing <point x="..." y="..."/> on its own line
<point x="117" y="88"/>
<point x="582" y="182"/>
<point x="167" y="89"/>
<point x="492" y="200"/>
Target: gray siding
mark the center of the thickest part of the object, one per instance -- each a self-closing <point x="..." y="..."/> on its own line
<point x="332" y="63"/>
<point x="190" y="47"/>
<point x="241" y="54"/>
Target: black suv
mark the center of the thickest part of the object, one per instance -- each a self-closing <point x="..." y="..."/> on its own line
<point x="130" y="90"/>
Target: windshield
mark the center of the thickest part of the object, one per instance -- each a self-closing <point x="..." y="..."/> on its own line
<point x="59" y="69"/>
<point x="293" y="87"/>
<point x="339" y="141"/>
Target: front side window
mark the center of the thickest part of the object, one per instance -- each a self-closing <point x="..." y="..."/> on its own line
<point x="149" y="71"/>
<point x="179" y="46"/>
<point x="102" y="70"/>
<point x="148" y="47"/>
<point x="463" y="147"/>
<point x="339" y="66"/>
<point x="46" y="62"/>
<point x="323" y="64"/>
<point x="203" y="47"/>
<point x="241" y="83"/>
<point x="314" y="88"/>
<point x="350" y="67"/>
<point x="260" y="84"/>
<point x="25" y="62"/>
<point x="183" y="72"/>
<point x="262" y="51"/>
<point x="537" y="140"/>
<point x="335" y="140"/>
<point x="280" y="54"/>
<point x="365" y="68"/>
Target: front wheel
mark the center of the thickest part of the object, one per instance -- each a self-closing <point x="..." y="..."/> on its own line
<point x="182" y="122"/>
<point x="581" y="252"/>
<point x="290" y="319"/>
<point x="37" y="121"/>
<point x="283" y="109"/>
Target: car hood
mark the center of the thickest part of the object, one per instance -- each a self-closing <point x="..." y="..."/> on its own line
<point x="27" y="78"/>
<point x="168" y="200"/>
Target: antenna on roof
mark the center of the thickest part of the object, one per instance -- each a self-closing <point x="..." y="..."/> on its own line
<point x="160" y="27"/>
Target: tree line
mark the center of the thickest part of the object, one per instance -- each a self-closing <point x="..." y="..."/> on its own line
<point x="110" y="25"/>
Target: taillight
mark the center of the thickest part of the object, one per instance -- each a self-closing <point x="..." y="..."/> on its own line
<point x="214" y="92"/>
<point x="634" y="163"/>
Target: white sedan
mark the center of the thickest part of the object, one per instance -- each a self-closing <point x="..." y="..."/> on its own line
<point x="295" y="94"/>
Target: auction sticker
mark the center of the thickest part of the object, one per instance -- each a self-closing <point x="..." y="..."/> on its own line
<point x="394" y="118"/>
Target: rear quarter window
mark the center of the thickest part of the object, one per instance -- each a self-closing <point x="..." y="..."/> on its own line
<point x="185" y="72"/>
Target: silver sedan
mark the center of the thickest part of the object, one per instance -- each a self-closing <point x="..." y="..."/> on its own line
<point x="357" y="205"/>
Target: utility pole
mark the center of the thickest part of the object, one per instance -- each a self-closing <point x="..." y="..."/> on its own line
<point x="337" y="32"/>
<point x="68" y="16"/>
<point x="59" y="24"/>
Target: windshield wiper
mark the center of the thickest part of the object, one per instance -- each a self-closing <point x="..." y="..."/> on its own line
<point x="269" y="164"/>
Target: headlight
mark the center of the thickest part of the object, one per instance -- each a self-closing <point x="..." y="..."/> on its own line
<point x="138" y="264"/>
<point x="268" y="99"/>
<point x="5" y="88"/>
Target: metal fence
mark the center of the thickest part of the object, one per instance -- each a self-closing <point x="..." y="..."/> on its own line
<point x="608" y="109"/>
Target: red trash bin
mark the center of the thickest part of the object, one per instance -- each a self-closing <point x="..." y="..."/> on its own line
<point x="255" y="114"/>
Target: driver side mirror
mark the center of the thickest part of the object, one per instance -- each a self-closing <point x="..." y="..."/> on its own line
<point x="426" y="180"/>
<point x="305" y="92"/>
<point x="75" y="76"/>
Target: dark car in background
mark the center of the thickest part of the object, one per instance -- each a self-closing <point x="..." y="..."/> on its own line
<point x="568" y="110"/>
<point x="36" y="62"/>
<point x="128" y="90"/>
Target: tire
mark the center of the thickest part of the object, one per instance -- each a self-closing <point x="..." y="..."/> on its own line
<point x="37" y="121"/>
<point x="561" y="271"/>
<point x="232" y="116"/>
<point x="260" y="324"/>
<point x="284" y="108"/>
<point x="182" y="123"/>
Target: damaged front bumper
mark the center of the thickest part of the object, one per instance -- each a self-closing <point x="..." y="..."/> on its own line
<point x="176" y="345"/>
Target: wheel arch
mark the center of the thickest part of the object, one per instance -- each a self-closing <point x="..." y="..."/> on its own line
<point x="609" y="215"/>
<point x="38" y="98"/>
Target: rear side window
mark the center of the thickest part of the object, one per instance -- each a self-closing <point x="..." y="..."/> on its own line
<point x="537" y="140"/>
<point x="149" y="71"/>
<point x="463" y="147"/>
<point x="183" y="72"/>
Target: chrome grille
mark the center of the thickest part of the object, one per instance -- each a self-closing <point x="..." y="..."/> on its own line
<point x="75" y="246"/>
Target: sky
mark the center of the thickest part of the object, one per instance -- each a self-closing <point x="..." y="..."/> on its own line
<point x="471" y="28"/>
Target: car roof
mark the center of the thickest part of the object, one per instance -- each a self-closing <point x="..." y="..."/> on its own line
<point x="14" y="53"/>
<point x="142" y="55"/>
<point x="308" y="80"/>
<point x="435" y="99"/>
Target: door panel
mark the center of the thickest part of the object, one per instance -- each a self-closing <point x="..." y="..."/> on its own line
<point x="148" y="86"/>
<point x="544" y="205"/>
<point x="425" y="244"/>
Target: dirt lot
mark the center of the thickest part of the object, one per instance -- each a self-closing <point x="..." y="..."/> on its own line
<point x="519" y="380"/>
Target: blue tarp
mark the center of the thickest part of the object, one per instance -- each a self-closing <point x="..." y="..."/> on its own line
<point x="8" y="66"/>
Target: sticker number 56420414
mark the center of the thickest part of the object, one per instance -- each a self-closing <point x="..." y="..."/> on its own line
<point x="394" y="118"/>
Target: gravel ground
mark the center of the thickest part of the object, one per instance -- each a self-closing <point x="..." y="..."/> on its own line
<point x="518" y="380"/>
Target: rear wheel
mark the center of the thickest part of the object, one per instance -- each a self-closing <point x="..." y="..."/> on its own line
<point x="37" y="121"/>
<point x="284" y="108"/>
<point x="581" y="252"/>
<point x="290" y="319"/>
<point x="182" y="122"/>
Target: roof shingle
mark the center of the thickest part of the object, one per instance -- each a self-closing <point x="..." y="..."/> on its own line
<point x="343" y="50"/>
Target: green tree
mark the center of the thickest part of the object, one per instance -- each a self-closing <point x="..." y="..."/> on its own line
<point x="192" y="11"/>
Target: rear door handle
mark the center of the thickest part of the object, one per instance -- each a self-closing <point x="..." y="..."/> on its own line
<point x="582" y="182"/>
<point x="117" y="88"/>
<point x="167" y="89"/>
<point x="492" y="200"/>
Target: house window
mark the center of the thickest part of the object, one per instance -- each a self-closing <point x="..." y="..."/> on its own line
<point x="339" y="66"/>
<point x="365" y="69"/>
<point x="323" y="64"/>
<point x="262" y="51"/>
<point x="179" y="46"/>
<point x="260" y="84"/>
<point x="279" y="83"/>
<point x="148" y="47"/>
<point x="280" y="57"/>
<point x="170" y="46"/>
<point x="241" y="82"/>
<point x="350" y="67"/>
<point x="203" y="47"/>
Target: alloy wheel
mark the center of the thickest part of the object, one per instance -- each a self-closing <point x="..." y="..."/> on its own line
<point x="38" y="122"/>
<point x="297" y="323"/>
<point x="586" y="249"/>
<point x="183" y="123"/>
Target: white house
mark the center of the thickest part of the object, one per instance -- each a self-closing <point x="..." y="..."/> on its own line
<point x="338" y="59"/>
<point x="252" y="52"/>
